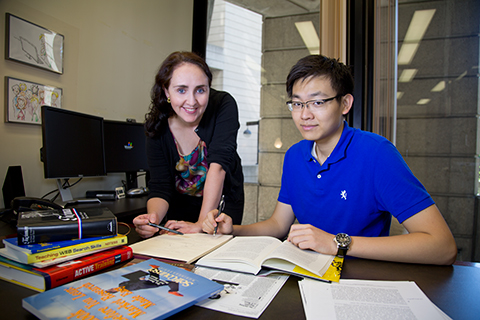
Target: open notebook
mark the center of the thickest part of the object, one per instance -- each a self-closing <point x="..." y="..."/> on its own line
<point x="188" y="247"/>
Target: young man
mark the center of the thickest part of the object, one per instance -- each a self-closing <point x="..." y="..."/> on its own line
<point x="343" y="184"/>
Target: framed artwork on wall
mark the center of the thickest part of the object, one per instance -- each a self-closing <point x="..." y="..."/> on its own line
<point x="24" y="99"/>
<point x="34" y="45"/>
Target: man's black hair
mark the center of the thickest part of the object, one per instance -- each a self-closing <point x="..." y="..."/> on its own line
<point x="320" y="66"/>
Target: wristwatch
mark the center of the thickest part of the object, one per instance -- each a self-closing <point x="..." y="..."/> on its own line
<point x="342" y="240"/>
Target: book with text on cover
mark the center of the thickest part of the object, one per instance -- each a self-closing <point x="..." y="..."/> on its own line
<point x="46" y="246"/>
<point x="65" y="224"/>
<point x="250" y="254"/>
<point x="41" y="279"/>
<point x="46" y="263"/>
<point x="83" y="247"/>
<point x="147" y="290"/>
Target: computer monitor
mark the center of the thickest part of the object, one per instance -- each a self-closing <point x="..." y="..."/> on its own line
<point x="125" y="149"/>
<point x="72" y="146"/>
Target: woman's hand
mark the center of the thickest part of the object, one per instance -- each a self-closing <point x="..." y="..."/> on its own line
<point x="142" y="227"/>
<point x="306" y="236"/>
<point x="183" y="226"/>
<point x="223" y="221"/>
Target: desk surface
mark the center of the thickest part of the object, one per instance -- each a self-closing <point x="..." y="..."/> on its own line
<point x="122" y="208"/>
<point x="454" y="289"/>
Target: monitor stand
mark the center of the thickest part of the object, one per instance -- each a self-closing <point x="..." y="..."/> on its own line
<point x="131" y="178"/>
<point x="64" y="192"/>
<point x="67" y="199"/>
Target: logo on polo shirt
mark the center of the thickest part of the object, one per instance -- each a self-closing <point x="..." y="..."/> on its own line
<point x="343" y="194"/>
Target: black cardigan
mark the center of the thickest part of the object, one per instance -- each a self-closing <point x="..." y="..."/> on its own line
<point x="218" y="128"/>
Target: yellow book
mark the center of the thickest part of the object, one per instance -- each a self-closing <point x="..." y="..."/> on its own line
<point x="82" y="248"/>
<point x="333" y="272"/>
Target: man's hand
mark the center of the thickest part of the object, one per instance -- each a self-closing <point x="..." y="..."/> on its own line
<point x="224" y="222"/>
<point x="306" y="236"/>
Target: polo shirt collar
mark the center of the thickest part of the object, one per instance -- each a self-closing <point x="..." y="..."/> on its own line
<point x="340" y="150"/>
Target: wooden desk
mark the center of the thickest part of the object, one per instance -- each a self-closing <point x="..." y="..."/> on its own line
<point x="122" y="208"/>
<point x="454" y="289"/>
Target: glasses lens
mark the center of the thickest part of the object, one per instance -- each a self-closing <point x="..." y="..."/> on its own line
<point x="295" y="105"/>
<point x="317" y="104"/>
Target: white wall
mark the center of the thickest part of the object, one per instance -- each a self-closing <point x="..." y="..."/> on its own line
<point x="234" y="46"/>
<point x="112" y="50"/>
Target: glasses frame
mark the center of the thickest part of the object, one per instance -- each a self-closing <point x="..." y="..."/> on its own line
<point x="305" y="104"/>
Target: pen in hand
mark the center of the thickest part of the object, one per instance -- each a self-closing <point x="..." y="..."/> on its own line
<point x="221" y="206"/>
<point x="164" y="228"/>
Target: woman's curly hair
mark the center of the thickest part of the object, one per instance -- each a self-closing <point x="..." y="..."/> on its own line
<point x="160" y="110"/>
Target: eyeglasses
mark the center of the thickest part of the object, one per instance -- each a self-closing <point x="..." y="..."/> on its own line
<point x="314" y="105"/>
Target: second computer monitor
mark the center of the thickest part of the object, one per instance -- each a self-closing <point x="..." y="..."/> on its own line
<point x="125" y="149"/>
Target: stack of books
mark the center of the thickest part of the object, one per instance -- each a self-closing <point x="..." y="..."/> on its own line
<point x="54" y="247"/>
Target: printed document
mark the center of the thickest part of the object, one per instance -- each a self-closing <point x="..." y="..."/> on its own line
<point x="366" y="299"/>
<point x="244" y="294"/>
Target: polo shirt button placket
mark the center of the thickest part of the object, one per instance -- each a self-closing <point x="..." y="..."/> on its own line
<point x="319" y="176"/>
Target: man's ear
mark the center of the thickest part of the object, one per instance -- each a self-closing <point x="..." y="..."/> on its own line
<point x="347" y="103"/>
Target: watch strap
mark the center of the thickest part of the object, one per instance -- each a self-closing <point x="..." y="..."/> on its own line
<point x="342" y="251"/>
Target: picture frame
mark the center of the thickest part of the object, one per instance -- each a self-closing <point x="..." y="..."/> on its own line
<point x="25" y="98"/>
<point x="34" y="45"/>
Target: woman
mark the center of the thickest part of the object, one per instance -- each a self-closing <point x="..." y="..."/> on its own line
<point x="191" y="148"/>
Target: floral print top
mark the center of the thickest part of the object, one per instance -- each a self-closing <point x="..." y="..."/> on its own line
<point x="192" y="171"/>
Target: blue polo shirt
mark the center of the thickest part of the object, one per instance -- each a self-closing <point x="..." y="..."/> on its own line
<point x="361" y="184"/>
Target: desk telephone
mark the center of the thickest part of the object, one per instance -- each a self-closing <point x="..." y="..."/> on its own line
<point x="20" y="204"/>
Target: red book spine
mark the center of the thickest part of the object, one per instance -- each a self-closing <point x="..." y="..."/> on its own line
<point x="79" y="268"/>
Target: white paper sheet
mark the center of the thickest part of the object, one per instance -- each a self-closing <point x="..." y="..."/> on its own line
<point x="365" y="299"/>
<point x="244" y="294"/>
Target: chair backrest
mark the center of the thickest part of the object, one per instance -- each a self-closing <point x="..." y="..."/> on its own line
<point x="396" y="228"/>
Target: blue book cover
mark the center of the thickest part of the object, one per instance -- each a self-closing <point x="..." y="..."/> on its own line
<point x="46" y="246"/>
<point x="147" y="290"/>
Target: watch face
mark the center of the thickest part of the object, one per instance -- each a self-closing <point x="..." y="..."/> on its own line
<point x="343" y="239"/>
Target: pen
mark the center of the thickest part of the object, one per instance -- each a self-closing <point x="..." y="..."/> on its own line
<point x="221" y="206"/>
<point x="164" y="228"/>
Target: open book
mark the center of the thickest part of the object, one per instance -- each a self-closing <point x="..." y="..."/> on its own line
<point x="250" y="254"/>
<point x="187" y="248"/>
